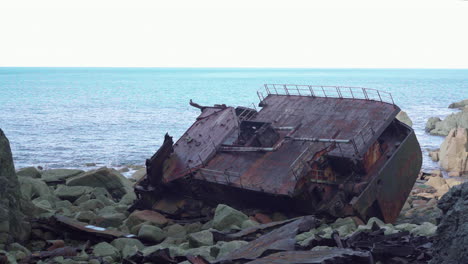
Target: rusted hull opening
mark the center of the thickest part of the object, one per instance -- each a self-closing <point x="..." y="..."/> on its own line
<point x="304" y="154"/>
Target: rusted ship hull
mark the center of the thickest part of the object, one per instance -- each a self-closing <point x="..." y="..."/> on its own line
<point x="332" y="154"/>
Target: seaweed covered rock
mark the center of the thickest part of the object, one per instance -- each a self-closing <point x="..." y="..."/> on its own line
<point x="12" y="220"/>
<point x="452" y="233"/>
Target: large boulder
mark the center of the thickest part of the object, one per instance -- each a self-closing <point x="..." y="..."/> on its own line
<point x="54" y="175"/>
<point x="460" y="104"/>
<point x="431" y="123"/>
<point x="151" y="233"/>
<point x="114" y="182"/>
<point x="403" y="117"/>
<point x="120" y="243"/>
<point x="452" y="233"/>
<point x="105" y="249"/>
<point x="456" y="120"/>
<point x="202" y="238"/>
<point x="29" y="172"/>
<point x="35" y="188"/>
<point x="137" y="175"/>
<point x="227" y="218"/>
<point x="152" y="217"/>
<point x="71" y="193"/>
<point x="12" y="221"/>
<point x="453" y="154"/>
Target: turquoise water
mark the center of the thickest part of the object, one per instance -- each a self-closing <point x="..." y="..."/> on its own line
<point x="66" y="117"/>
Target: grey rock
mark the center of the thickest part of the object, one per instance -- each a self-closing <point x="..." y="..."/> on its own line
<point x="43" y="204"/>
<point x="434" y="155"/>
<point x="460" y="104"/>
<point x="105" y="200"/>
<point x="208" y="252"/>
<point x="431" y="123"/>
<point x="151" y="233"/>
<point x="403" y="117"/>
<point x="120" y="208"/>
<point x="114" y="182"/>
<point x="120" y="243"/>
<point x="226" y="217"/>
<point x="455" y="120"/>
<point x="105" y="249"/>
<point x="11" y="259"/>
<point x="71" y="193"/>
<point x="426" y="229"/>
<point x="99" y="191"/>
<point x="92" y="204"/>
<point x="453" y="154"/>
<point x="19" y="247"/>
<point x="139" y="217"/>
<point x="59" y="174"/>
<point x="249" y="223"/>
<point x="227" y="247"/>
<point x="82" y="199"/>
<point x="85" y="216"/>
<point x="128" y="251"/>
<point x="406" y="227"/>
<point x="344" y="226"/>
<point x="202" y="238"/>
<point x="452" y="231"/>
<point x="128" y="198"/>
<point x="137" y="175"/>
<point x="63" y="204"/>
<point x="29" y="172"/>
<point x="34" y="188"/>
<point x="110" y="220"/>
<point x="12" y="221"/>
<point x="176" y="231"/>
<point x="207" y="225"/>
<point x="107" y="210"/>
<point x="193" y="227"/>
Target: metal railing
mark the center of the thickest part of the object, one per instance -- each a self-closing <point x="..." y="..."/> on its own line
<point x="326" y="91"/>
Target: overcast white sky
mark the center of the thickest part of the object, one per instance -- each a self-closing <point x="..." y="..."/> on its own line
<point x="198" y="33"/>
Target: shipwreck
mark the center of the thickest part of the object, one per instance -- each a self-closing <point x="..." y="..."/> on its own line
<point x="323" y="150"/>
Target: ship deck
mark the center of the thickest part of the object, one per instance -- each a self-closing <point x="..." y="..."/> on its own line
<point x="300" y="121"/>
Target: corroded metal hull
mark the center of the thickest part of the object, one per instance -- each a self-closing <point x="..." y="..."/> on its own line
<point x="334" y="154"/>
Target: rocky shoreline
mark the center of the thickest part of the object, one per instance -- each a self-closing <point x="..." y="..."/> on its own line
<point x="75" y="216"/>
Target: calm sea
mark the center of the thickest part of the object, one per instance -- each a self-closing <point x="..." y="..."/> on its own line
<point x="66" y="117"/>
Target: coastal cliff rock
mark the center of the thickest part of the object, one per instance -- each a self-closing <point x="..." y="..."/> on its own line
<point x="460" y="104"/>
<point x="403" y="117"/>
<point x="452" y="232"/>
<point x="442" y="128"/>
<point x="12" y="221"/>
<point x="431" y="123"/>
<point x="453" y="154"/>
